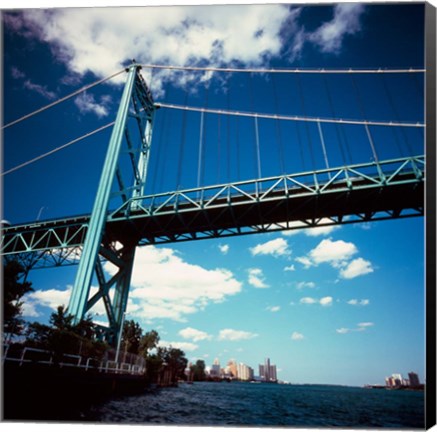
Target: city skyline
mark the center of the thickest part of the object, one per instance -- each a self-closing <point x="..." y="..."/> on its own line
<point x="332" y="304"/>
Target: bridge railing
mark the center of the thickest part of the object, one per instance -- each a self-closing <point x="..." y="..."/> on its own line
<point x="127" y="364"/>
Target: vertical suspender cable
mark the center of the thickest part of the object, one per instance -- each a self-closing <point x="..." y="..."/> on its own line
<point x="331" y="104"/>
<point x="396" y="113"/>
<point x="322" y="141"/>
<point x="228" y="137"/>
<point x="182" y="145"/>
<point x="258" y="154"/>
<point x="218" y="147"/>
<point x="361" y="106"/>
<point x="199" y="162"/>
<point x="302" y="101"/>
<point x="278" y="128"/>
<point x="158" y="152"/>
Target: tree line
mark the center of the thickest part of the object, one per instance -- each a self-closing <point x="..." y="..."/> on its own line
<point x="163" y="364"/>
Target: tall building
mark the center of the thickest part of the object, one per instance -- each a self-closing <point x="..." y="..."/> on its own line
<point x="215" y="369"/>
<point x="232" y="368"/>
<point x="244" y="372"/>
<point x="267" y="372"/>
<point x="414" y="379"/>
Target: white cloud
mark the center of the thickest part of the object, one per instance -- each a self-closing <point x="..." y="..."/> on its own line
<point x="361" y="327"/>
<point x="86" y="104"/>
<point x="165" y="286"/>
<point x="276" y="247"/>
<point x="40" y="89"/>
<point x="101" y="40"/>
<point x="329" y="36"/>
<point x="256" y="278"/>
<point x="338" y="254"/>
<point x="305" y="261"/>
<point x="365" y="324"/>
<point x="356" y="302"/>
<point x="321" y="230"/>
<point x="17" y="73"/>
<point x="235" y="335"/>
<point x="357" y="267"/>
<point x="308" y="300"/>
<point x="332" y="251"/>
<point x="290" y="268"/>
<point x="324" y="301"/>
<point x="193" y="334"/>
<point x="51" y="298"/>
<point x="302" y="285"/>
<point x="274" y="308"/>
<point x="184" y="346"/>
<point x="224" y="249"/>
<point x="297" y="336"/>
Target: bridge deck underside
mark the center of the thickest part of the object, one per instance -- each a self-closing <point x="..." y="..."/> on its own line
<point x="279" y="211"/>
<point x="227" y="215"/>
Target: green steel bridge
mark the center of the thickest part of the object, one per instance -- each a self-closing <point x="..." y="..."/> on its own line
<point x="376" y="190"/>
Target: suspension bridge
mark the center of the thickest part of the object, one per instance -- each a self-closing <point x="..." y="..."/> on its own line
<point x="308" y="169"/>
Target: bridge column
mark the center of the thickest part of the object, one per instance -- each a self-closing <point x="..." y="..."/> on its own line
<point x="79" y="297"/>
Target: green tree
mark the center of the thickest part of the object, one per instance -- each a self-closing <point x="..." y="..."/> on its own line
<point x="175" y="361"/>
<point x="198" y="371"/>
<point x="148" y="342"/>
<point x="13" y="291"/>
<point x="131" y="337"/>
<point x="62" y="337"/>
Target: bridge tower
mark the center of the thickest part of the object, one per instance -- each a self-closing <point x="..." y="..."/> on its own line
<point x="130" y="139"/>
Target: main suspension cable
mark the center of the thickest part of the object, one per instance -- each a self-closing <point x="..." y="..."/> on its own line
<point x="289" y="71"/>
<point x="31" y="161"/>
<point x="290" y="117"/>
<point x="63" y="99"/>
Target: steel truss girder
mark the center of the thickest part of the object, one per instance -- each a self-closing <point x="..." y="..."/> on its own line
<point x="352" y="194"/>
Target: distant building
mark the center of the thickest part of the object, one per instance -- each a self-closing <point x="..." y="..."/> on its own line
<point x="267" y="371"/>
<point x="215" y="369"/>
<point x="231" y="368"/>
<point x="414" y="379"/>
<point x="244" y="372"/>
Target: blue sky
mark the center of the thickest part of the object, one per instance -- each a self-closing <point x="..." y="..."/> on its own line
<point x="328" y="305"/>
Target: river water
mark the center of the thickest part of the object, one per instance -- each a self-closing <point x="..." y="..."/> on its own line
<point x="247" y="404"/>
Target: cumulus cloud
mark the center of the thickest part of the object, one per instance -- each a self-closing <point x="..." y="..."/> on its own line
<point x="332" y="251"/>
<point x="355" y="268"/>
<point x="296" y="336"/>
<point x="274" y="308"/>
<point x="277" y="247"/>
<point x="339" y="255"/>
<point x="163" y="285"/>
<point x="104" y="40"/>
<point x="193" y="334"/>
<point x="51" y="298"/>
<point x="290" y="268"/>
<point x="235" y="335"/>
<point x="256" y="278"/>
<point x="324" y="301"/>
